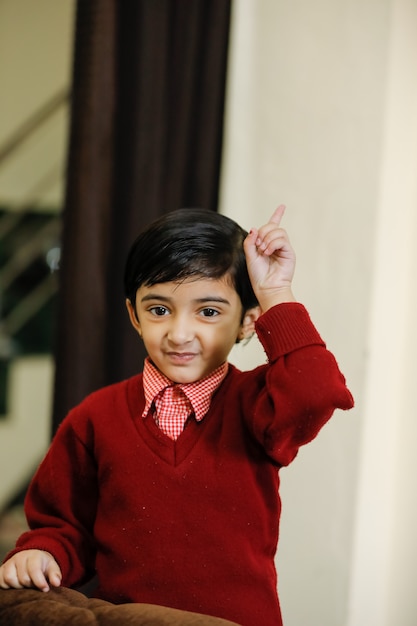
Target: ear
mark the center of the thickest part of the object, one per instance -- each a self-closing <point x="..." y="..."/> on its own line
<point x="133" y="317"/>
<point x="247" y="327"/>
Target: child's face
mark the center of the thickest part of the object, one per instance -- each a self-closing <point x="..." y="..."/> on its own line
<point x="189" y="328"/>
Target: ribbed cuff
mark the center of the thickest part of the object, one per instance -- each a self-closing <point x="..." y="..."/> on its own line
<point x="284" y="328"/>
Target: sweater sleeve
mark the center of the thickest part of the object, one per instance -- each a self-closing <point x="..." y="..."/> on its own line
<point x="301" y="386"/>
<point x="60" y="506"/>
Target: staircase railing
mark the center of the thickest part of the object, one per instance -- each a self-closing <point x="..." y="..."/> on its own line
<point x="32" y="243"/>
<point x="33" y="123"/>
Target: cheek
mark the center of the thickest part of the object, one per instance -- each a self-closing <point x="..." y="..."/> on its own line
<point x="149" y="334"/>
<point x="224" y="339"/>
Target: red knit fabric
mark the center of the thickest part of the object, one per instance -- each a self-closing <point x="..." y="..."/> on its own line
<point x="191" y="524"/>
<point x="175" y="402"/>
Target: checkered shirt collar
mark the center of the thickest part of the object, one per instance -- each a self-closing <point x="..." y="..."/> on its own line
<point x="199" y="393"/>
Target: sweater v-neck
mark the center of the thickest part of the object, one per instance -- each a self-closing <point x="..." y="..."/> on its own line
<point x="171" y="452"/>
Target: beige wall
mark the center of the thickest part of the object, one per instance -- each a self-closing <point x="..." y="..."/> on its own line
<point x="385" y="548"/>
<point x="321" y="116"/>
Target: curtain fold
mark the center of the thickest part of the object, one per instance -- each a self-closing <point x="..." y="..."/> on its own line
<point x="146" y="134"/>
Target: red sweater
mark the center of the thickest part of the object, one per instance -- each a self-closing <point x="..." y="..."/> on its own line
<point x="191" y="524"/>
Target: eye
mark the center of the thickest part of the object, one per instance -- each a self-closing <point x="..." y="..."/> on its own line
<point x="158" y="311"/>
<point x="209" y="312"/>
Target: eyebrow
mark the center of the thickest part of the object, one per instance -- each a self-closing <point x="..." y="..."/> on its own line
<point x="206" y="299"/>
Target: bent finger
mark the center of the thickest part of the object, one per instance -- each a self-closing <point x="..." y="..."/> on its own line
<point x="54" y="574"/>
<point x="32" y="575"/>
<point x="268" y="234"/>
<point x="275" y="244"/>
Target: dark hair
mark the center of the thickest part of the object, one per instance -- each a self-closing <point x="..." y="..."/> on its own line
<point x="189" y="243"/>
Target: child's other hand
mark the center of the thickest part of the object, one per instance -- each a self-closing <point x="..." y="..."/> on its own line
<point x="30" y="568"/>
<point x="271" y="262"/>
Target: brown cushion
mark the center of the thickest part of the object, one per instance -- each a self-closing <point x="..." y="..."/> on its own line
<point x="66" y="607"/>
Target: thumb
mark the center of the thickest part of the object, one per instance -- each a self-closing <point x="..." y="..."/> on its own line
<point x="249" y="245"/>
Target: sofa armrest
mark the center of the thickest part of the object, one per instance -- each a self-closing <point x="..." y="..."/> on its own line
<point x="67" y="607"/>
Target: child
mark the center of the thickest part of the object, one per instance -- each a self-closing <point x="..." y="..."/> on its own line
<point x="166" y="485"/>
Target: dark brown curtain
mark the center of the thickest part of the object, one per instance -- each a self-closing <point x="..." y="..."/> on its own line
<point x="146" y="134"/>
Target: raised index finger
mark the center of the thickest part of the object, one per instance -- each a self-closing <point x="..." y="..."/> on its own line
<point x="277" y="215"/>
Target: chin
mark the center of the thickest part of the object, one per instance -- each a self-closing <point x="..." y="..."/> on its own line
<point x="179" y="375"/>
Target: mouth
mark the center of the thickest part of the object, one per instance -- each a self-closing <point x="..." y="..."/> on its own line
<point x="180" y="357"/>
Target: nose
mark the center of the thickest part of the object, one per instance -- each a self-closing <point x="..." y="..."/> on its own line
<point x="180" y="330"/>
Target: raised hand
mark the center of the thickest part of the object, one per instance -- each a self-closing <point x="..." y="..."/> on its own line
<point x="271" y="262"/>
